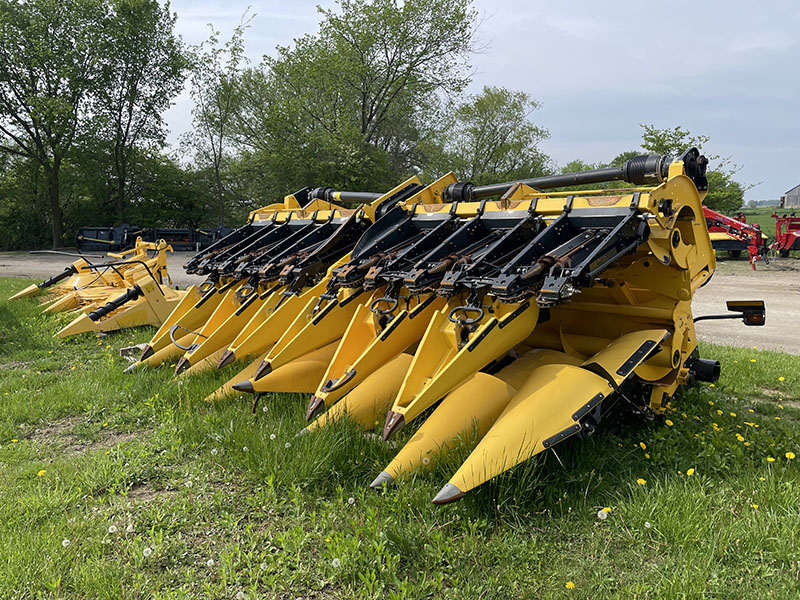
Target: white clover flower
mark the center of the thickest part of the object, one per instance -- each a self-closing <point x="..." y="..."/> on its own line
<point x="147" y="552"/>
<point x="65" y="542"/>
<point x="240" y="595"/>
<point x="112" y="529"/>
<point x="210" y="563"/>
<point x="214" y="452"/>
<point x="129" y="528"/>
<point x="351" y="500"/>
<point x="263" y="566"/>
<point x="264" y="408"/>
<point x="188" y="483"/>
<point x="245" y="449"/>
<point x="287" y="445"/>
<point x="602" y="515"/>
<point x="336" y="563"/>
<point x="647" y="525"/>
<point x="272" y="436"/>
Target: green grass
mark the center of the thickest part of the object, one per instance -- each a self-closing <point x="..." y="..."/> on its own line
<point x="762" y="216"/>
<point x="196" y="483"/>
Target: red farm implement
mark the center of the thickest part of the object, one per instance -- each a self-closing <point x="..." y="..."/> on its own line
<point x="787" y="234"/>
<point x="736" y="235"/>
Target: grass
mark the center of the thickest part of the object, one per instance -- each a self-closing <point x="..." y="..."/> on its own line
<point x="163" y="496"/>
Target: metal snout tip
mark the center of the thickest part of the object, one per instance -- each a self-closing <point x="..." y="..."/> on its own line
<point x="182" y="365"/>
<point x="263" y="369"/>
<point x="227" y="358"/>
<point x="383" y="479"/>
<point x="147" y="352"/>
<point x="394" y="423"/>
<point x="449" y="493"/>
<point x="315" y="406"/>
<point x="244" y="386"/>
<point x="132" y="367"/>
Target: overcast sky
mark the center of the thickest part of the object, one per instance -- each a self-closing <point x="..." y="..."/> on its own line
<point x="726" y="69"/>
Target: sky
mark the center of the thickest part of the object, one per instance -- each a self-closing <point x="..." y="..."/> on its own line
<point x="726" y="69"/>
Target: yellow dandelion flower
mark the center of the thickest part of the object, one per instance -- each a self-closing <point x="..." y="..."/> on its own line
<point x="607" y="509"/>
<point x="752" y="360"/>
<point x="647" y="456"/>
<point x="641" y="481"/>
<point x="690" y="472"/>
<point x="41" y="473"/>
<point x="777" y="418"/>
<point x="789" y="455"/>
<point x="754" y="505"/>
<point x="569" y="585"/>
<point x="719" y="412"/>
<point x="770" y="459"/>
<point x="733" y="414"/>
<point x="643" y="446"/>
<point x="14" y="441"/>
<point x="328" y="539"/>
<point x="762" y="479"/>
<point x="781" y="378"/>
<point x="749" y="424"/>
<point x="747" y="443"/>
<point x="739" y="437"/>
<point x="711" y="385"/>
<point x="711" y="403"/>
<point x="780" y="406"/>
<point x="668" y="422"/>
<point x="750" y="410"/>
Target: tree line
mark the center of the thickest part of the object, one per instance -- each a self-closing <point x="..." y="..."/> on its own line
<point x="375" y="95"/>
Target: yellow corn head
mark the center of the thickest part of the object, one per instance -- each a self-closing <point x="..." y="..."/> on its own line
<point x="522" y="315"/>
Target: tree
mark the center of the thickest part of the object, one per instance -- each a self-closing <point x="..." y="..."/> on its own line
<point x="48" y="58"/>
<point x="143" y="66"/>
<point x="215" y="69"/>
<point x="724" y="193"/>
<point x="490" y="138"/>
<point x="355" y="104"/>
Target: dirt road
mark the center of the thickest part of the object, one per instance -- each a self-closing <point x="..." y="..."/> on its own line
<point x="778" y="284"/>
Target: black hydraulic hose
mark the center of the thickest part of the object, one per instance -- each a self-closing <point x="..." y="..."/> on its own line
<point x="131" y="294"/>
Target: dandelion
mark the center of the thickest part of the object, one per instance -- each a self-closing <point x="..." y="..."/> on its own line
<point x="245" y="449"/>
<point x="780" y="406"/>
<point x="14" y="441"/>
<point x="643" y="446"/>
<point x="789" y="455"/>
<point x="129" y="529"/>
<point x="602" y="515"/>
<point x="747" y="443"/>
<point x="647" y="525"/>
<point x="668" y="422"/>
<point x="719" y="412"/>
<point x="754" y="506"/>
<point x="607" y="509"/>
<point x="777" y="418"/>
<point x="272" y="436"/>
<point x="287" y="445"/>
<point x="762" y="479"/>
<point x="264" y="408"/>
<point x="210" y="563"/>
<point x="147" y="552"/>
<point x="41" y="473"/>
<point x="328" y="540"/>
<point x="733" y="414"/>
<point x="750" y="410"/>
<point x="569" y="585"/>
<point x="65" y="542"/>
<point x="336" y="563"/>
<point x="641" y="481"/>
<point x="752" y="360"/>
<point x="711" y="403"/>
<point x="711" y="385"/>
<point x="647" y="456"/>
<point x="781" y="378"/>
<point x="690" y="471"/>
<point x="188" y="483"/>
<point x="112" y="529"/>
<point x="351" y="500"/>
<point x="425" y="460"/>
<point x="770" y="459"/>
<point x="739" y="437"/>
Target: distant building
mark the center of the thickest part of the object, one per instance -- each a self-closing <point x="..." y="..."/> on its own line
<point x="792" y="197"/>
